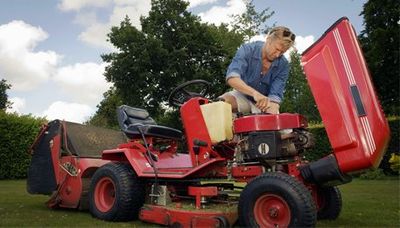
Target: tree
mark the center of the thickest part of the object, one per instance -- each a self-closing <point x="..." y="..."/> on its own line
<point x="106" y="111"/>
<point x="173" y="47"/>
<point x="4" y="102"/>
<point x="251" y="22"/>
<point x="297" y="95"/>
<point x="380" y="42"/>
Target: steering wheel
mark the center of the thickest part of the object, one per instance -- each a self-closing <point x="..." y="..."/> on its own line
<point x="188" y="90"/>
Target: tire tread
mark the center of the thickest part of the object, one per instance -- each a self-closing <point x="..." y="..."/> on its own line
<point x="130" y="190"/>
<point x="308" y="208"/>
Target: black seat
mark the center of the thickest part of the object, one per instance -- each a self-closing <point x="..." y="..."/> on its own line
<point x="132" y="119"/>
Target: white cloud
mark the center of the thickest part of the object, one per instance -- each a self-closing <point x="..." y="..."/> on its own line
<point x="17" y="104"/>
<point x="72" y="112"/>
<point x="96" y="35"/>
<point x="195" y="3"/>
<point x="95" y="31"/>
<point x="222" y="14"/>
<point x="86" y="19"/>
<point x="69" y="5"/>
<point x="133" y="10"/>
<point x="22" y="66"/>
<point x="83" y="81"/>
<point x="257" y="38"/>
<point x="302" y="43"/>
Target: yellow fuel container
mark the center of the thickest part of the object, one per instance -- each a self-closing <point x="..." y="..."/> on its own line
<point x="218" y="118"/>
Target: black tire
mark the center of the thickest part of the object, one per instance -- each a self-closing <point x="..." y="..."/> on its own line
<point x="330" y="202"/>
<point x="287" y="200"/>
<point x="223" y="222"/>
<point x="116" y="194"/>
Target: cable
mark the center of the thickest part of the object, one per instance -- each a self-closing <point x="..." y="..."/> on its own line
<point x="149" y="157"/>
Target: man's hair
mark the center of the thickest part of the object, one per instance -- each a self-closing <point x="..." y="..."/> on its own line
<point x="284" y="34"/>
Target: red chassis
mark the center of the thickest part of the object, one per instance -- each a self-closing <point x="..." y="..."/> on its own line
<point x="73" y="173"/>
<point x="149" y="177"/>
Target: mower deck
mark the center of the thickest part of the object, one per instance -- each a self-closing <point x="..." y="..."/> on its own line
<point x="186" y="214"/>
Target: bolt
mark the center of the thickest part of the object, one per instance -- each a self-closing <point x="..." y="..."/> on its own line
<point x="273" y="212"/>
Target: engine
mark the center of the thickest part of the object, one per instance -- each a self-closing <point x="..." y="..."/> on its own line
<point x="263" y="137"/>
<point x="272" y="145"/>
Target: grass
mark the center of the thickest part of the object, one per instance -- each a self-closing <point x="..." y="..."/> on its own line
<point x="366" y="203"/>
<point x="18" y="208"/>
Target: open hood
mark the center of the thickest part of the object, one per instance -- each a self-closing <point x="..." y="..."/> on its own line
<point x="341" y="85"/>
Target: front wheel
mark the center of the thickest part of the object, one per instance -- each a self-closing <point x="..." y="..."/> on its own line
<point x="116" y="194"/>
<point x="276" y="200"/>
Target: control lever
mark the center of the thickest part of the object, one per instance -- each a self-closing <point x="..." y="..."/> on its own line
<point x="197" y="143"/>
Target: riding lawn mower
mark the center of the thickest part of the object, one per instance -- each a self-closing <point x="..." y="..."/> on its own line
<point x="248" y="169"/>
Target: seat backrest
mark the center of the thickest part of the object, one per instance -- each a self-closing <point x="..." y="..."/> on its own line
<point x="128" y="115"/>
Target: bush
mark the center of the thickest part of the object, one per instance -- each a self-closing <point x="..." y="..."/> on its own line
<point x="373" y="174"/>
<point x="393" y="147"/>
<point x="17" y="133"/>
<point x="394" y="162"/>
<point x="323" y="147"/>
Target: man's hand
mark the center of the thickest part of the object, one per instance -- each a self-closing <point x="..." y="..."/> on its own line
<point x="273" y="108"/>
<point x="262" y="102"/>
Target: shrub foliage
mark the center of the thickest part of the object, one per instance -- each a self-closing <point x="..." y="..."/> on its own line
<point x="17" y="133"/>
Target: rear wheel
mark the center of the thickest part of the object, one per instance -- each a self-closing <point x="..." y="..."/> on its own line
<point x="116" y="194"/>
<point x="276" y="200"/>
<point x="330" y="203"/>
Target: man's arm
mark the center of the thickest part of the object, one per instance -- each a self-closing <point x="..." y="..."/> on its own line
<point x="279" y="83"/>
<point x="277" y="87"/>
<point x="262" y="102"/>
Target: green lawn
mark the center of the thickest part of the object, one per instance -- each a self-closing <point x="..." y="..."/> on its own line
<point x="366" y="204"/>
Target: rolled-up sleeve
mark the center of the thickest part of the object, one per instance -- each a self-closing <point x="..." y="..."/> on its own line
<point x="239" y="63"/>
<point x="278" y="85"/>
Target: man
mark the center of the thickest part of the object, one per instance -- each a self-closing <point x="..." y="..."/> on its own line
<point x="258" y="73"/>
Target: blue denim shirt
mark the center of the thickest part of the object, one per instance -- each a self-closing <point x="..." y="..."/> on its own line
<point x="247" y="64"/>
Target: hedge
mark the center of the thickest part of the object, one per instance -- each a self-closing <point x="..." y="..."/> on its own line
<point x="322" y="146"/>
<point x="394" y="144"/>
<point x="16" y="136"/>
<point x="18" y="132"/>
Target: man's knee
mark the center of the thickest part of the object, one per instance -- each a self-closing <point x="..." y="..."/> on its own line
<point x="231" y="100"/>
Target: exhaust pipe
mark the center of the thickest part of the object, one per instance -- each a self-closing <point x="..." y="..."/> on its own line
<point x="325" y="172"/>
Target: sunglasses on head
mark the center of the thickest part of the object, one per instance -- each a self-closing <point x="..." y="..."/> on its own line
<point x="287" y="33"/>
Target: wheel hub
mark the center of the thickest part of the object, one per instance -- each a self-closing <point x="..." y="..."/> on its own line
<point x="104" y="194"/>
<point x="272" y="211"/>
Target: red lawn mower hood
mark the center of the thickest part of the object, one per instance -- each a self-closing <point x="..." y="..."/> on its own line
<point x="341" y="85"/>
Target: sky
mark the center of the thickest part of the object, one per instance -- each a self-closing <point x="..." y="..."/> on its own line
<point x="50" y="49"/>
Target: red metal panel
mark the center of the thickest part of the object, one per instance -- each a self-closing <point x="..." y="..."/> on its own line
<point x="55" y="156"/>
<point x="135" y="156"/>
<point x="201" y="191"/>
<point x="167" y="167"/>
<point x="169" y="216"/>
<point x="339" y="79"/>
<point x="71" y="187"/>
<point x="247" y="173"/>
<point x="269" y="122"/>
<point x="195" y="128"/>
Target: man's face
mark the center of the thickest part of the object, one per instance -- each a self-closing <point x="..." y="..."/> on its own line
<point x="275" y="49"/>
